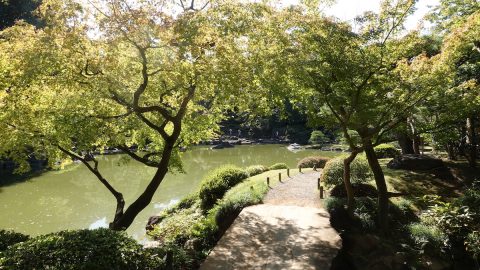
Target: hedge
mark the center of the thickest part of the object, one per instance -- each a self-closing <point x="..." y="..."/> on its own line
<point x="386" y="151"/>
<point x="332" y="174"/>
<point x="214" y="185"/>
<point x="313" y="161"/>
<point x="278" y="166"/>
<point x="256" y="169"/>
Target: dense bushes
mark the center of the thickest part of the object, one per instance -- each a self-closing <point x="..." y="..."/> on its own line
<point x="256" y="169"/>
<point x="313" y="161"/>
<point x="8" y="238"/>
<point x="214" y="186"/>
<point x="386" y="150"/>
<point x="82" y="249"/>
<point x="278" y="166"/>
<point x="359" y="190"/>
<point x="333" y="171"/>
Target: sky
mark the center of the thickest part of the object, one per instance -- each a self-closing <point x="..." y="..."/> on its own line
<point x="348" y="9"/>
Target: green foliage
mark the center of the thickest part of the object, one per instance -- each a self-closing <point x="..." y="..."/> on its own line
<point x="191" y="233"/>
<point x="175" y="227"/>
<point x="278" y="166"/>
<point x="426" y="236"/>
<point x="218" y="182"/>
<point x="313" y="161"/>
<point x="472" y="243"/>
<point x="455" y="221"/>
<point x="386" y="151"/>
<point x="317" y="137"/>
<point x="333" y="171"/>
<point x="333" y="203"/>
<point x="8" y="238"/>
<point x="82" y="249"/>
<point x="256" y="169"/>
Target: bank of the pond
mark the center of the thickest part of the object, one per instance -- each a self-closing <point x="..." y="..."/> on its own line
<point x="74" y="199"/>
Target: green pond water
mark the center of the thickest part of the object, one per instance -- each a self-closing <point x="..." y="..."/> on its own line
<point x="73" y="198"/>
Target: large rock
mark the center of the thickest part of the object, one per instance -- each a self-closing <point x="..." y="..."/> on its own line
<point x="222" y="145"/>
<point x="415" y="163"/>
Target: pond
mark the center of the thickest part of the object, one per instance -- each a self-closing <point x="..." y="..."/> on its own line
<point x="73" y="198"/>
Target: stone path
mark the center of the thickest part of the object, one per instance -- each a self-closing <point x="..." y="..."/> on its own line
<point x="289" y="231"/>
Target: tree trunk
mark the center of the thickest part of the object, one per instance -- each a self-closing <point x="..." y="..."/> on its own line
<point x="123" y="221"/>
<point x="450" y="147"/>
<point x="381" y="185"/>
<point x="406" y="144"/>
<point x="348" y="185"/>
<point x="471" y="142"/>
<point x="417" y="141"/>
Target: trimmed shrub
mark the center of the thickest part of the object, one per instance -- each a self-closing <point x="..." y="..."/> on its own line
<point x="256" y="169"/>
<point x="332" y="174"/>
<point x="359" y="190"/>
<point x="217" y="183"/>
<point x="386" y="150"/>
<point x="278" y="166"/>
<point x="82" y="249"/>
<point x="9" y="238"/>
<point x="310" y="162"/>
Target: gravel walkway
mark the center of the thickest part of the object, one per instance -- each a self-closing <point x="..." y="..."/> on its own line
<point x="300" y="190"/>
<point x="289" y="231"/>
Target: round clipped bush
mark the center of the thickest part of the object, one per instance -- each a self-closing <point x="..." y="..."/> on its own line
<point x="278" y="166"/>
<point x="217" y="183"/>
<point x="313" y="161"/>
<point x="332" y="174"/>
<point x="82" y="249"/>
<point x="256" y="169"/>
<point x="8" y="238"/>
<point x="359" y="190"/>
<point x="386" y="150"/>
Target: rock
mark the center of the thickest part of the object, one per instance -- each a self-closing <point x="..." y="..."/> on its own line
<point x="222" y="145"/>
<point x="415" y="163"/>
<point x="152" y="221"/>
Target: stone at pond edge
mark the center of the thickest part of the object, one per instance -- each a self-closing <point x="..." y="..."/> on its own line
<point x="152" y="221"/>
<point x="415" y="163"/>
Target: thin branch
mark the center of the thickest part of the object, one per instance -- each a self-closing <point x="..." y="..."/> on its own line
<point x="138" y="158"/>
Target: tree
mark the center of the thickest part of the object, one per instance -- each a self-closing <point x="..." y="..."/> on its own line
<point x="317" y="137"/>
<point x="115" y="74"/>
<point x="14" y="10"/>
<point x="358" y="80"/>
